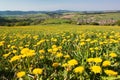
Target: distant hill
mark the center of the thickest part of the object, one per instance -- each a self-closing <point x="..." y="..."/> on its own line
<point x="23" y="18"/>
<point x="14" y="13"/>
<point x="7" y="13"/>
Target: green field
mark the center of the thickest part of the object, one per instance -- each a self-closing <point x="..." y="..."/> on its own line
<point x="60" y="52"/>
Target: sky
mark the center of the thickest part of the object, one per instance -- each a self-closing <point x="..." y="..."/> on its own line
<point x="51" y="5"/>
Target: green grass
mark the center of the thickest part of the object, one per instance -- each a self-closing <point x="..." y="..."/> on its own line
<point x="62" y="27"/>
<point x="25" y="48"/>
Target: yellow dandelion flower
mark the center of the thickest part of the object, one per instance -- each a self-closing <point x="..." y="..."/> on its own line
<point x="65" y="65"/>
<point x="88" y="40"/>
<point x="2" y="43"/>
<point x="20" y="47"/>
<point x="27" y="52"/>
<point x="82" y="43"/>
<point x="97" y="60"/>
<point x="55" y="49"/>
<point x="90" y="60"/>
<point x="41" y="57"/>
<point x="106" y="63"/>
<point x="59" y="47"/>
<point x="56" y="64"/>
<point x="14" y="58"/>
<point x="24" y="50"/>
<point x="54" y="46"/>
<point x="40" y="42"/>
<point x="6" y="55"/>
<point x="41" y="51"/>
<point x="53" y="39"/>
<point x="96" y="48"/>
<point x="50" y="50"/>
<point x="30" y="53"/>
<point x="21" y="74"/>
<point x="13" y="47"/>
<point x="14" y="51"/>
<point x="96" y="69"/>
<point x="58" y="55"/>
<point x="8" y="46"/>
<point x="113" y="54"/>
<point x="37" y="71"/>
<point x="101" y="43"/>
<point x="67" y="56"/>
<point x="72" y="62"/>
<point x="79" y="69"/>
<point x="91" y="49"/>
<point x="111" y="72"/>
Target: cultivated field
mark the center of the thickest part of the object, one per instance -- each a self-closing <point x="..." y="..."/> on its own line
<point x="60" y="52"/>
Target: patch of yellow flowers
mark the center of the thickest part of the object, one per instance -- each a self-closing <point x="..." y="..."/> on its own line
<point x="62" y="54"/>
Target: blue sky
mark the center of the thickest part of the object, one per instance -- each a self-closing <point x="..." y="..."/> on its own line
<point x="41" y="5"/>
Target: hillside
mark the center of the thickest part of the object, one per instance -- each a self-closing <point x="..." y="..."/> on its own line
<point x="23" y="18"/>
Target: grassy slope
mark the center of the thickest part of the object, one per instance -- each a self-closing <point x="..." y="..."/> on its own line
<point x="59" y="28"/>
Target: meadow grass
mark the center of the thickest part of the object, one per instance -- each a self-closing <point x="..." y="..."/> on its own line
<point x="60" y="52"/>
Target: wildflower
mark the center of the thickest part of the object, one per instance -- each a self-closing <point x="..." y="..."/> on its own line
<point x="106" y="63"/>
<point x="8" y="46"/>
<point x="13" y="47"/>
<point x="53" y="39"/>
<point x="41" y="41"/>
<point x="35" y="37"/>
<point x="37" y="71"/>
<point x="20" y="74"/>
<point x="64" y="65"/>
<point x="91" y="49"/>
<point x="90" y="60"/>
<point x="14" y="58"/>
<point x="72" y="62"/>
<point x="27" y="52"/>
<point x="96" y="69"/>
<point x="54" y="46"/>
<point x="31" y="53"/>
<point x="88" y="40"/>
<point x="6" y="55"/>
<point x="79" y="69"/>
<point x="2" y="43"/>
<point x="59" y="47"/>
<point x="14" y="51"/>
<point x="55" y="49"/>
<point x="55" y="64"/>
<point x="111" y="72"/>
<point x="41" y="51"/>
<point x="24" y="50"/>
<point x="82" y="43"/>
<point x="67" y="56"/>
<point x="41" y="57"/>
<point x="96" y="48"/>
<point x="113" y="54"/>
<point x="101" y="43"/>
<point x="50" y="50"/>
<point x="59" y="55"/>
<point x="97" y="60"/>
<point x="20" y="47"/>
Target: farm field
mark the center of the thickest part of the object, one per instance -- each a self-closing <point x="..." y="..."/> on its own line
<point x="60" y="52"/>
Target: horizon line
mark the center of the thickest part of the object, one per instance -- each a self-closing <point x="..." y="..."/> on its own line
<point x="61" y="10"/>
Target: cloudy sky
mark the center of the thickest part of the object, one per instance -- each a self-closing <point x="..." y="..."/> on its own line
<point x="41" y="5"/>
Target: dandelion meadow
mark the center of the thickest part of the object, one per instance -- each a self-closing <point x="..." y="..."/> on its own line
<point x="60" y="52"/>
